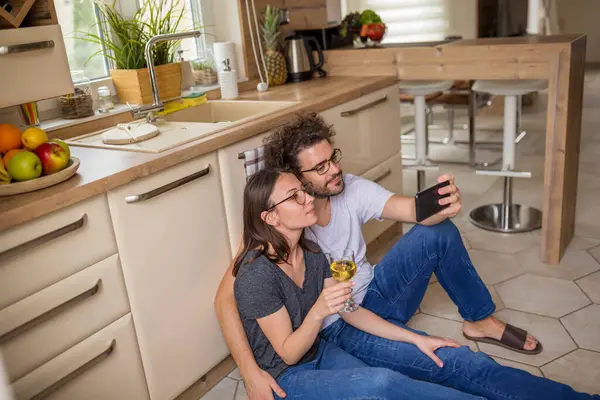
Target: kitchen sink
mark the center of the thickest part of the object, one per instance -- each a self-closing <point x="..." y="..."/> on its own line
<point x="188" y="125"/>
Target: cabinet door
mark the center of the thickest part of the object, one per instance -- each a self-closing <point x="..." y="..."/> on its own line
<point x="367" y="129"/>
<point x="172" y="241"/>
<point x="233" y="179"/>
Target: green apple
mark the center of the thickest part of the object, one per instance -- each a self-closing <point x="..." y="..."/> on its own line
<point x="64" y="146"/>
<point x="24" y="166"/>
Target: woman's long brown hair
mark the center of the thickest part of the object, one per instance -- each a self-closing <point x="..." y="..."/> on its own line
<point x="257" y="234"/>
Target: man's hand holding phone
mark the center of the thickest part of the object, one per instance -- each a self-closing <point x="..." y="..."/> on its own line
<point x="453" y="197"/>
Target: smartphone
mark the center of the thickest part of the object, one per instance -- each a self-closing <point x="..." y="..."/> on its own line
<point x="427" y="201"/>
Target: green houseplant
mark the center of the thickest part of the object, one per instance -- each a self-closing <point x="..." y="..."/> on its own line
<point x="123" y="41"/>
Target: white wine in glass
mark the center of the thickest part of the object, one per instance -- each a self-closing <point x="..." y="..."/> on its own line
<point x="343" y="268"/>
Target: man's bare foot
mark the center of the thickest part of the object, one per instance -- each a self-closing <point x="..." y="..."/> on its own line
<point x="493" y="328"/>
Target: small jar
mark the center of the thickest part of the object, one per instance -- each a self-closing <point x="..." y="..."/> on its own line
<point x="105" y="103"/>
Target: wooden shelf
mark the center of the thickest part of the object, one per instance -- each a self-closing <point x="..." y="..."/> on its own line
<point x="26" y="13"/>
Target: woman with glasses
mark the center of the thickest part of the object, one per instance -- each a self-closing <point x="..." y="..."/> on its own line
<point x="284" y="291"/>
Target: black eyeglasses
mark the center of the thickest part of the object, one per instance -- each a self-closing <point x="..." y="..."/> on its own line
<point x="298" y="195"/>
<point x="324" y="166"/>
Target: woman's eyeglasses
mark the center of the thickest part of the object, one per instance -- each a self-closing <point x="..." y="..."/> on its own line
<point x="298" y="195"/>
<point x="324" y="166"/>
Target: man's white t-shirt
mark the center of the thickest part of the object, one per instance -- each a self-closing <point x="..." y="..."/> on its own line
<point x="361" y="201"/>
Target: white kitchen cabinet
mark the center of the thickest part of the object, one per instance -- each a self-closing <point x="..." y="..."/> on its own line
<point x="233" y="180"/>
<point x="172" y="238"/>
<point x="104" y="366"/>
<point x="367" y="129"/>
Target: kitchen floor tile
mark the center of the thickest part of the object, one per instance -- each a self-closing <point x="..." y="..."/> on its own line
<point x="595" y="252"/>
<point x="549" y="331"/>
<point x="591" y="286"/>
<point x="437" y="303"/>
<point x="440" y="327"/>
<point x="542" y="295"/>
<point x="576" y="262"/>
<point x="580" y="370"/>
<point x="224" y="390"/>
<point x="241" y="392"/>
<point x="495" y="267"/>
<point x="235" y="374"/>
<point x="532" y="370"/>
<point x="584" y="327"/>
<point x="502" y="242"/>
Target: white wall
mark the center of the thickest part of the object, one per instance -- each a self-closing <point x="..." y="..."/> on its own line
<point x="582" y="16"/>
<point x="227" y="27"/>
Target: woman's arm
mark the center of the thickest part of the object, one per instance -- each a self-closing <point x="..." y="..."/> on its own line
<point x="292" y="345"/>
<point x="372" y="323"/>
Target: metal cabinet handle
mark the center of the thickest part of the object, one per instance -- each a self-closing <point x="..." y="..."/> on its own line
<point x="169" y="186"/>
<point x="385" y="173"/>
<point x="35" y="309"/>
<point x="364" y="107"/>
<point x="22" y="48"/>
<point x="48" y="389"/>
<point x="43" y="239"/>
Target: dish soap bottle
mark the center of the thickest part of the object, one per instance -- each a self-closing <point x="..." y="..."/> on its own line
<point x="228" y="82"/>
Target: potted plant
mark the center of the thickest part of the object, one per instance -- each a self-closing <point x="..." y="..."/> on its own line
<point x="123" y="41"/>
<point x="204" y="72"/>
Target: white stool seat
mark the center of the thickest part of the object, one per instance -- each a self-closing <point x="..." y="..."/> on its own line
<point x="517" y="87"/>
<point x="423" y="88"/>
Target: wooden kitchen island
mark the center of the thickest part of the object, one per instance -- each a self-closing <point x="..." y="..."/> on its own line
<point x="559" y="59"/>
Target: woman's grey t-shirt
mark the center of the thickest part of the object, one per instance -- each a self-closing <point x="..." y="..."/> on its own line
<point x="261" y="288"/>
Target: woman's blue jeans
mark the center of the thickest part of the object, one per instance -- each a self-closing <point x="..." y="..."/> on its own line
<point x="336" y="375"/>
<point x="399" y="284"/>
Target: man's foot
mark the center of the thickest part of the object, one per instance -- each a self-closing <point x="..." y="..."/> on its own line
<point x="493" y="328"/>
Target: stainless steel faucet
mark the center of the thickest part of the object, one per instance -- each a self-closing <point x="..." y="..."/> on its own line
<point x="148" y="110"/>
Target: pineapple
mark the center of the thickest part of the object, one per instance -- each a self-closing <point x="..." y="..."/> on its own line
<point x="274" y="60"/>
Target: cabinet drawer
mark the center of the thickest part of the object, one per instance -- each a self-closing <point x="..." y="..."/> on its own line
<point x="389" y="175"/>
<point x="367" y="129"/>
<point x="39" y="253"/>
<point x="233" y="181"/>
<point x="41" y="326"/>
<point x="35" y="74"/>
<point x="104" y="366"/>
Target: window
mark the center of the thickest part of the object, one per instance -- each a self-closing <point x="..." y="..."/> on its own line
<point x="81" y="15"/>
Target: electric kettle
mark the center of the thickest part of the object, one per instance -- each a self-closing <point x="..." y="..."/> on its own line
<point x="300" y="62"/>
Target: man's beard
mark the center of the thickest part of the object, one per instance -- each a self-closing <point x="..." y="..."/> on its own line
<point x="323" y="192"/>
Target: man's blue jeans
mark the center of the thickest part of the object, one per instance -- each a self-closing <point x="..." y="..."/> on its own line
<point x="336" y="375"/>
<point x="398" y="286"/>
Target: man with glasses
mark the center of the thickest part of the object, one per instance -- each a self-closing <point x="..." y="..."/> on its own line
<point x="395" y="288"/>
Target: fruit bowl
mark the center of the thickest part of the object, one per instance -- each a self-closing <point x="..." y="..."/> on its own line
<point x="42" y="182"/>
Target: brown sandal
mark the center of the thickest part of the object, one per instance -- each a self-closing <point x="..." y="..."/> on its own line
<point x="513" y="338"/>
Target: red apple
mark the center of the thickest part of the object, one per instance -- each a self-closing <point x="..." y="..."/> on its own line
<point x="53" y="157"/>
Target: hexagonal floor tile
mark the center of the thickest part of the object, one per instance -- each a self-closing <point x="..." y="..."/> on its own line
<point x="241" y="392"/>
<point x="507" y="363"/>
<point x="542" y="295"/>
<point x="576" y="262"/>
<point x="224" y="390"/>
<point x="595" y="252"/>
<point x="549" y="331"/>
<point x="580" y="370"/>
<point x="591" y="286"/>
<point x="495" y="267"/>
<point x="440" y="327"/>
<point x="502" y="242"/>
<point x="584" y="327"/>
<point x="437" y="303"/>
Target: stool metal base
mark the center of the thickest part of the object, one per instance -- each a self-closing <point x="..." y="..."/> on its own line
<point x="520" y="218"/>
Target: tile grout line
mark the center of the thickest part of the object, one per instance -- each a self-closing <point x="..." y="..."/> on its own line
<point x="579" y="309"/>
<point x="558" y="358"/>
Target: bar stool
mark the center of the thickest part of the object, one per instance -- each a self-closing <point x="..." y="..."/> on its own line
<point x="420" y="89"/>
<point x="508" y="217"/>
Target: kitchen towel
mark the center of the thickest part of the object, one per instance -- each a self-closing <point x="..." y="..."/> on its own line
<point x="254" y="161"/>
<point x="223" y="51"/>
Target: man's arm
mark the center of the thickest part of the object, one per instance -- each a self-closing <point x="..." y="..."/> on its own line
<point x="402" y="208"/>
<point x="259" y="384"/>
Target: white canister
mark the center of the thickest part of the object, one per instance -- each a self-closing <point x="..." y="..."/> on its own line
<point x="228" y="84"/>
<point x="223" y="51"/>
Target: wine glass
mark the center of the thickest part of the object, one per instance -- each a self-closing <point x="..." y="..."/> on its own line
<point x="343" y="268"/>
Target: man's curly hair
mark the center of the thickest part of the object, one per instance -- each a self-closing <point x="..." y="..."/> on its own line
<point x="282" y="147"/>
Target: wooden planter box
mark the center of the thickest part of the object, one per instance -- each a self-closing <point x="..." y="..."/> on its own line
<point x="133" y="85"/>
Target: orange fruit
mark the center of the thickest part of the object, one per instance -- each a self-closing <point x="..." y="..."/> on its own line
<point x="10" y="138"/>
<point x="9" y="154"/>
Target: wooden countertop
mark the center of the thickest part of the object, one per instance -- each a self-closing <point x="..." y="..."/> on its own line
<point x="102" y="170"/>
